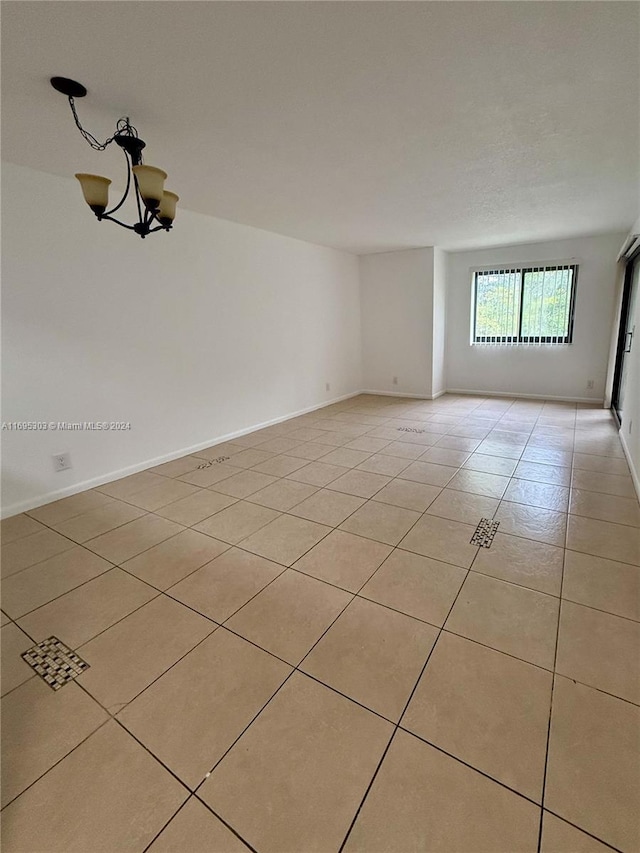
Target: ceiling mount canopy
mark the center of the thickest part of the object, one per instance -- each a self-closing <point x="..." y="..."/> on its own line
<point x="156" y="206"/>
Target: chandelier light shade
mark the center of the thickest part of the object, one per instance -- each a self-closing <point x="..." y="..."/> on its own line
<point x="95" y="190"/>
<point x="156" y="206"/>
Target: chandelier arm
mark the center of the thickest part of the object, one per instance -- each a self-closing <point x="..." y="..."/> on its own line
<point x="126" y="192"/>
<point x="160" y="228"/>
<point x="137" y="189"/>
<point x="117" y="221"/>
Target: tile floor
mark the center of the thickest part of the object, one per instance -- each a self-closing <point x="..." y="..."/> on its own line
<point x="294" y="648"/>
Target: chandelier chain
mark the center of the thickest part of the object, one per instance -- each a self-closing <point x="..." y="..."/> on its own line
<point x="123" y="127"/>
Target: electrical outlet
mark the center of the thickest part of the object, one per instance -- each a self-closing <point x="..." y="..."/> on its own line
<point x="590" y="384"/>
<point x="61" y="461"/>
<point x="395" y="380"/>
<point x="327" y="387"/>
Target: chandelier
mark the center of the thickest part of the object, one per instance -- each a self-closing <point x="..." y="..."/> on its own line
<point x="156" y="206"/>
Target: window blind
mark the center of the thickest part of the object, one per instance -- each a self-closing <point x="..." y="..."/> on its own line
<point x="524" y="305"/>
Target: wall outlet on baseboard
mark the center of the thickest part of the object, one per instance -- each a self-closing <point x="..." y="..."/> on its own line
<point x="327" y="386"/>
<point x="395" y="380"/>
<point x="590" y="384"/>
<point x="61" y="461"/>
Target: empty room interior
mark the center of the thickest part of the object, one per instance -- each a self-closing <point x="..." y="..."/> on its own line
<point x="320" y="427"/>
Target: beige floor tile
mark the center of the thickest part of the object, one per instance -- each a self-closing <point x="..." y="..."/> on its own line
<point x="511" y="619"/>
<point x="463" y="506"/>
<point x="328" y="507"/>
<point x="456" y="442"/>
<point x="225" y="448"/>
<point x="558" y="836"/>
<point x="522" y="561"/>
<point x="172" y="560"/>
<point x="599" y="446"/>
<point x="115" y="795"/>
<point x="244" y="484"/>
<point x="225" y="584"/>
<point x="374" y="655"/>
<point x="307" y="434"/>
<point x="35" y="586"/>
<point x="605" y="507"/>
<point x="127" y="486"/>
<point x="548" y="456"/>
<point x="486" y="708"/>
<point x="443" y="456"/>
<point x="479" y="483"/>
<point x="603" y="539"/>
<point x="600" y="464"/>
<point x="490" y="464"/>
<point x="541" y="525"/>
<point x="86" y="611"/>
<point x="251" y="457"/>
<point x="343" y="559"/>
<point x="368" y="444"/>
<point x="39" y="727"/>
<point x="544" y="495"/>
<point x="4" y="619"/>
<point x="14" y="670"/>
<point x="407" y="494"/>
<point x="415" y="585"/>
<point x="196" y="829"/>
<point x="442" y="539"/>
<point x="162" y="494"/>
<point x="541" y="473"/>
<point x="290" y="615"/>
<point x="429" y="473"/>
<point x="317" y="474"/>
<point x="499" y="448"/>
<point x="196" y="507"/>
<point x="88" y="525"/>
<point x="389" y="466"/>
<point x="361" y="483"/>
<point x="310" y="451"/>
<point x="17" y="527"/>
<point x="382" y="522"/>
<point x="65" y="508"/>
<point x="25" y="552"/>
<point x="610" y="484"/>
<point x="137" y="650"/>
<point x="283" y="494"/>
<point x="600" y="650"/>
<point x="177" y="467"/>
<point x="133" y="538"/>
<point x="211" y="476"/>
<point x="603" y="584"/>
<point x="58" y="511"/>
<point x="237" y="522"/>
<point x="403" y="450"/>
<point x="280" y="466"/>
<point x="286" y="539"/>
<point x="215" y="692"/>
<point x="420" y="793"/>
<point x="593" y="776"/>
<point x="295" y="779"/>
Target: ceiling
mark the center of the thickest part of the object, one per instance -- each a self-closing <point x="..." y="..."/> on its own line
<point x="368" y="126"/>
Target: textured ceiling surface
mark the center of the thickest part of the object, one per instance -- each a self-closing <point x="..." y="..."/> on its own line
<point x="367" y="126"/>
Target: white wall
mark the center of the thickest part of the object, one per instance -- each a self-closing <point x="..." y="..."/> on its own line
<point x="396" y="293"/>
<point x="546" y="371"/>
<point x="211" y="329"/>
<point x="439" y="379"/>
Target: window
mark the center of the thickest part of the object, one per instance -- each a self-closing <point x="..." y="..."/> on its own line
<point x="524" y="305"/>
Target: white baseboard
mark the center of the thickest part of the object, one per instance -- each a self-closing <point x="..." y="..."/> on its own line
<point x="520" y="396"/>
<point x="58" y="494"/>
<point x="407" y="396"/>
<point x="632" y="467"/>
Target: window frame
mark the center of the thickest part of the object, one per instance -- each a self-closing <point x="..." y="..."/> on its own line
<point x="519" y="339"/>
